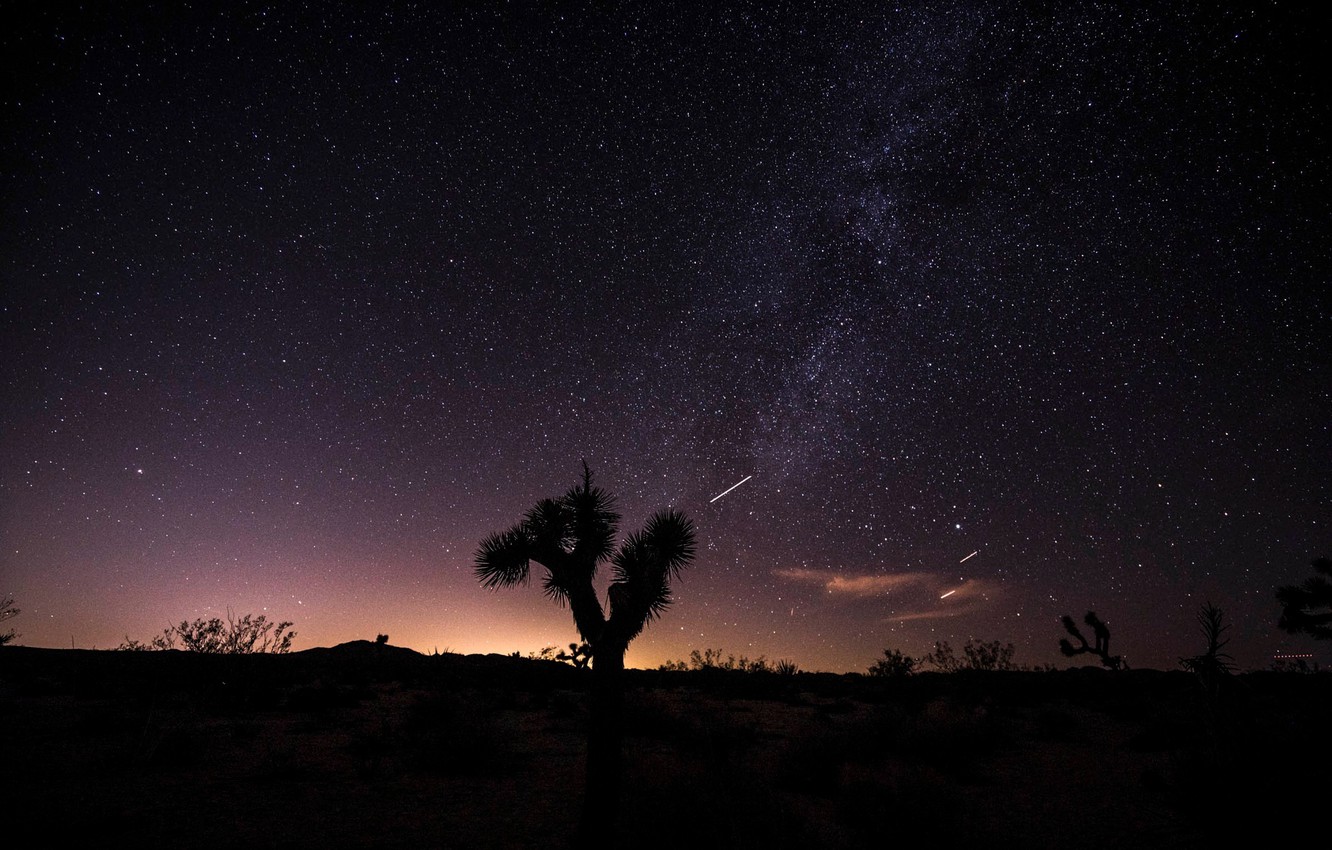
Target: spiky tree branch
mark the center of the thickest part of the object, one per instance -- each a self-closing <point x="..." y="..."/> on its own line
<point x="1100" y="633"/>
<point x="644" y="567"/>
<point x="7" y="610"/>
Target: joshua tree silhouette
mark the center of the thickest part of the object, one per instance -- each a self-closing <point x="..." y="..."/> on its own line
<point x="7" y="610"/>
<point x="570" y="536"/>
<point x="1102" y="634"/>
<point x="578" y="654"/>
<point x="1308" y="607"/>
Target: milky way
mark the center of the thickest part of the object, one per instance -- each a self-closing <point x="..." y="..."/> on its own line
<point x="300" y="302"/>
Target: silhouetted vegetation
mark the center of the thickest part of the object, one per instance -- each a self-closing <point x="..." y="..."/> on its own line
<point x="7" y="611"/>
<point x="1213" y="664"/>
<point x="715" y="659"/>
<point x="381" y="639"/>
<point x="1101" y="634"/>
<point x="943" y="658"/>
<point x="989" y="655"/>
<point x="894" y="664"/>
<point x="570" y="537"/>
<point x="976" y="655"/>
<point x="578" y="654"/>
<point x="245" y="636"/>
<point x="1307" y="608"/>
<point x="1300" y="665"/>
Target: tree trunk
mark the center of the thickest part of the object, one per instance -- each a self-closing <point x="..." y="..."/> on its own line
<point x="605" y="733"/>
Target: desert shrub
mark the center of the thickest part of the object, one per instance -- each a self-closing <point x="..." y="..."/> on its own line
<point x="714" y="659"/>
<point x="1294" y="664"/>
<point x="894" y="664"/>
<point x="245" y="636"/>
<point x="943" y="657"/>
<point x="989" y="655"/>
<point x="977" y="655"/>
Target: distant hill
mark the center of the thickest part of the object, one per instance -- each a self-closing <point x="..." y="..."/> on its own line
<point x="84" y="670"/>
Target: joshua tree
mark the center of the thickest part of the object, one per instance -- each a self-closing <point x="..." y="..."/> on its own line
<point x="578" y="654"/>
<point x="7" y="610"/>
<point x="1102" y="648"/>
<point x="1308" y="607"/>
<point x="570" y="536"/>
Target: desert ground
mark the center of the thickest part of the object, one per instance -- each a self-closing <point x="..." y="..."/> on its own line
<point x="364" y="745"/>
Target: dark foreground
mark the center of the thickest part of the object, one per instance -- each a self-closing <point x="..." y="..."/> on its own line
<point x="371" y="746"/>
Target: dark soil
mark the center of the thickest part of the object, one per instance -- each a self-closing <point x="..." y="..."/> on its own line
<point x="375" y="746"/>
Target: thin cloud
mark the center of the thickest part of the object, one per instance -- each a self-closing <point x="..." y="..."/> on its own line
<point x="960" y="599"/>
<point x="854" y="584"/>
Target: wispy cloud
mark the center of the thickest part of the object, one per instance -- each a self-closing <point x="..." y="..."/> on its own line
<point x="855" y="584"/>
<point x="909" y="596"/>
<point x="953" y="601"/>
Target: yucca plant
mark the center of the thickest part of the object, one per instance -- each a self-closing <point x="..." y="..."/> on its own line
<point x="570" y="536"/>
<point x="1212" y="664"/>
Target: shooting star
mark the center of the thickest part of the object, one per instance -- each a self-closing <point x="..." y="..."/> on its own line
<point x="949" y="593"/>
<point x="969" y="557"/>
<point x="729" y="489"/>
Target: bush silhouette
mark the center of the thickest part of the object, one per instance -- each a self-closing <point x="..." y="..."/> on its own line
<point x="246" y="636"/>
<point x="894" y="664"/>
<point x="1307" y="607"/>
<point x="570" y="536"/>
<point x="977" y="655"/>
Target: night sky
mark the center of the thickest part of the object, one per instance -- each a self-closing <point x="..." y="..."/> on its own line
<point x="299" y="301"/>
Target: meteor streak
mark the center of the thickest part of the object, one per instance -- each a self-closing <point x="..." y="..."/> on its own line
<point x="949" y="593"/>
<point x="729" y="489"/>
<point x="972" y="555"/>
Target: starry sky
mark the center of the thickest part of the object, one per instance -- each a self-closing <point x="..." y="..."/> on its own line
<point x="299" y="301"/>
